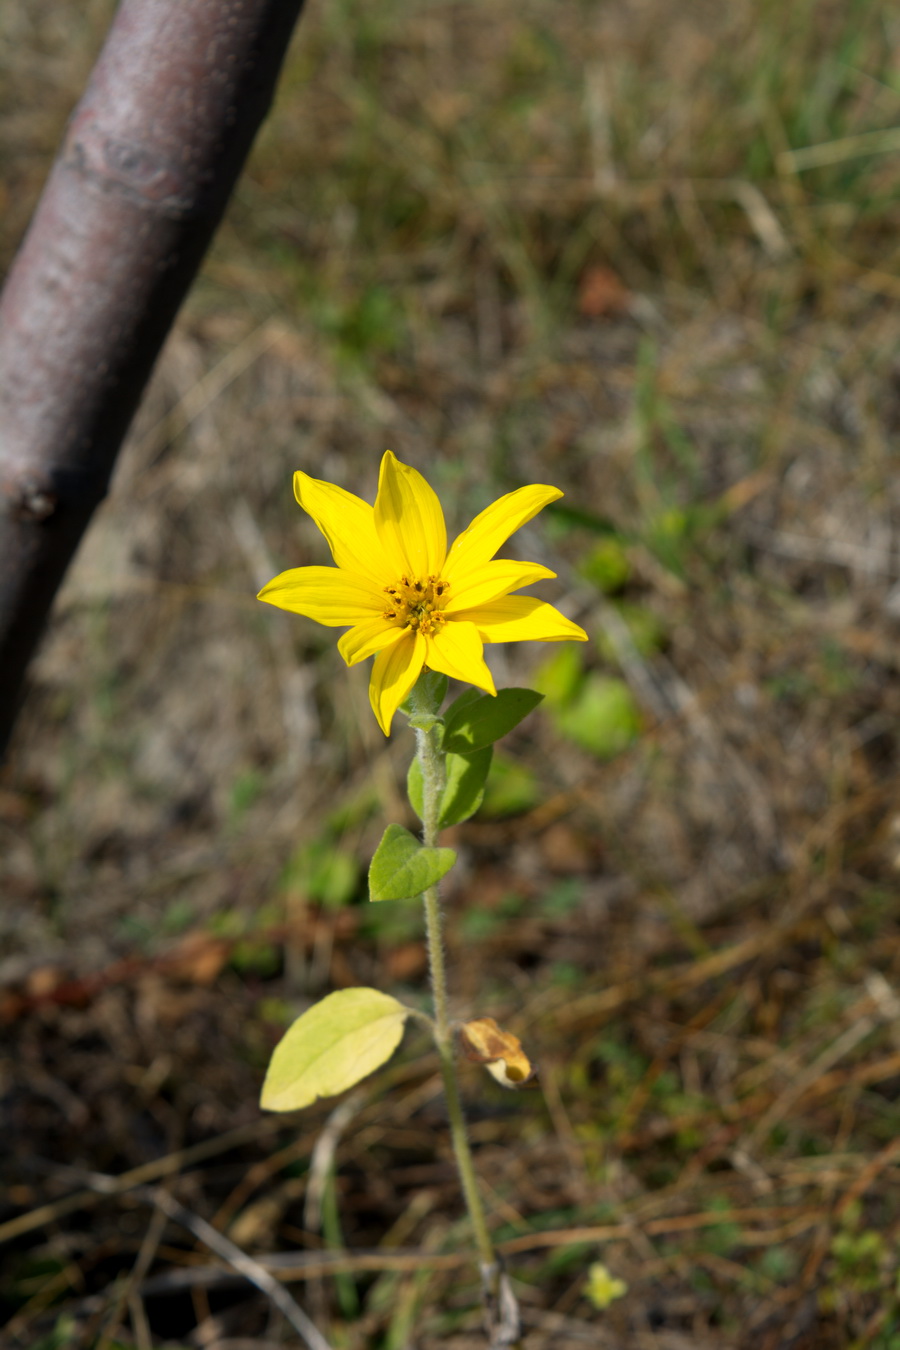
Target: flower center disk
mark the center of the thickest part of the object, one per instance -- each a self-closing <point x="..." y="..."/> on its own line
<point x="417" y="604"/>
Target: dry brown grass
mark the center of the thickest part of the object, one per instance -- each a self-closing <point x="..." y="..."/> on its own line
<point x="698" y="938"/>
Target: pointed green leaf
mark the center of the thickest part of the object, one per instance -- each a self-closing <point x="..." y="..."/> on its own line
<point x="335" y="1044"/>
<point x="486" y="718"/>
<point x="463" y="793"/>
<point x="463" y="700"/>
<point x="403" y="868"/>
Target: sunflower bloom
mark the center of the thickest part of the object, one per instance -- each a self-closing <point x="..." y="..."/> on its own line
<point x="406" y="598"/>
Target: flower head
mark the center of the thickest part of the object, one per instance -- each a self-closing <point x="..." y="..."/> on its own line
<point x="406" y="598"/>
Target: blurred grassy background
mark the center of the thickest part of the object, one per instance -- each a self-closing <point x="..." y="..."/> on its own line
<point x="650" y="257"/>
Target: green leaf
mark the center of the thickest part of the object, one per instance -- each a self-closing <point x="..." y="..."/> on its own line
<point x="463" y="700"/>
<point x="486" y="718"/>
<point x="463" y="791"/>
<point x="403" y="868"/>
<point x="603" y="719"/>
<point x="335" y="1044"/>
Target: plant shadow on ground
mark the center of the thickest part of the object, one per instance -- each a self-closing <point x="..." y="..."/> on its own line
<point x="650" y="259"/>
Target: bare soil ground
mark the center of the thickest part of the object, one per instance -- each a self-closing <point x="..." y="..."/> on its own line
<point x="650" y="257"/>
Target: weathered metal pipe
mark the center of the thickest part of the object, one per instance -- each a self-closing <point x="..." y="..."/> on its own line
<point x="141" y="181"/>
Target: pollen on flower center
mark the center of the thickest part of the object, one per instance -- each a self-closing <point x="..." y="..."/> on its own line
<point x="417" y="605"/>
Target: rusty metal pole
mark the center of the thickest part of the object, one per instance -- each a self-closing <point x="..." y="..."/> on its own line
<point x="141" y="181"/>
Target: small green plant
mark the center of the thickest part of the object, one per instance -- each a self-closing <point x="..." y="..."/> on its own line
<point x="63" y="1335"/>
<point x="603" y="1288"/>
<point x="603" y="718"/>
<point x="861" y="1262"/>
<point x="597" y="712"/>
<point x="607" y="566"/>
<point x="424" y="612"/>
<point x="511" y="788"/>
<point x="323" y="872"/>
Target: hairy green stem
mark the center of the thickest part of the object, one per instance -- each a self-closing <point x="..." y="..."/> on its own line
<point x="431" y="759"/>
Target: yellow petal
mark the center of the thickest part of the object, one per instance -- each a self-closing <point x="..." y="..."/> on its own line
<point x="409" y="521"/>
<point x="494" y="525"/>
<point x="326" y="594"/>
<point x="394" y="672"/>
<point x="348" y="523"/>
<point x="457" y="650"/>
<point x="520" y="618"/>
<point x="368" y="638"/>
<point x="490" y="581"/>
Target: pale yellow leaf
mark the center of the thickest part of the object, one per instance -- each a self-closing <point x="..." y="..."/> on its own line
<point x="333" y="1045"/>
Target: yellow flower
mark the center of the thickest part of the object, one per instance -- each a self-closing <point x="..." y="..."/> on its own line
<point x="408" y="600"/>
